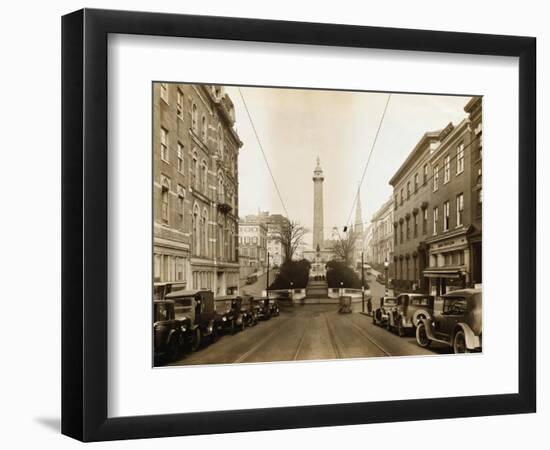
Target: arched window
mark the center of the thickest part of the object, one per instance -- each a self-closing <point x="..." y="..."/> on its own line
<point x="204" y="129"/>
<point x="220" y="142"/>
<point x="194" y="117"/>
<point x="195" y="170"/>
<point x="221" y="188"/>
<point x="204" y="180"/>
<point x="204" y="232"/>
<point x="196" y="230"/>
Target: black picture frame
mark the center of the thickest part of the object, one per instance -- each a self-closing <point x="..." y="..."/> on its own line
<point x="84" y="224"/>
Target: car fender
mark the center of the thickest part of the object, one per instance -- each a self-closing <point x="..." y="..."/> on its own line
<point x="417" y="316"/>
<point x="429" y="329"/>
<point x="472" y="341"/>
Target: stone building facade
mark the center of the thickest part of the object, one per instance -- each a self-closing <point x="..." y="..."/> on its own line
<point x="437" y="209"/>
<point x="382" y="235"/>
<point x="195" y="188"/>
<point x="252" y="246"/>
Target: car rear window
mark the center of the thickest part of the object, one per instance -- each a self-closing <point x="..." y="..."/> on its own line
<point x="455" y="305"/>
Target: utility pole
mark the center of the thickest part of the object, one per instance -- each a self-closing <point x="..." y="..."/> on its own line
<point x="267" y="278"/>
<point x="362" y="284"/>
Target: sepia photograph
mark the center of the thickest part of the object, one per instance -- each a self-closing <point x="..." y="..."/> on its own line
<point x="294" y="224"/>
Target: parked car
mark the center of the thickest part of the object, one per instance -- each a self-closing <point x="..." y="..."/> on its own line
<point x="384" y="315"/>
<point x="344" y="305"/>
<point x="456" y="321"/>
<point x="228" y="313"/>
<point x="248" y="311"/>
<point x="263" y="311"/>
<point x="251" y="279"/>
<point x="273" y="307"/>
<point x="411" y="308"/>
<point x="169" y="333"/>
<point x="198" y="307"/>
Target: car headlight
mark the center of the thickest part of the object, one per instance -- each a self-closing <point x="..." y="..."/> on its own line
<point x="224" y="319"/>
<point x="184" y="329"/>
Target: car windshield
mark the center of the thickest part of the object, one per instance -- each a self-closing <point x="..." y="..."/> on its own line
<point x="390" y="301"/>
<point x="161" y="312"/>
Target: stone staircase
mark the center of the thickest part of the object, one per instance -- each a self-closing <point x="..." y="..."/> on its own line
<point x="317" y="289"/>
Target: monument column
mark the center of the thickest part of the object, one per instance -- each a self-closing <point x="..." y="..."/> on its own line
<point x="318" y="222"/>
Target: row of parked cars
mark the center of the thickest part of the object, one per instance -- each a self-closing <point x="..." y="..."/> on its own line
<point x="186" y="319"/>
<point x="454" y="319"/>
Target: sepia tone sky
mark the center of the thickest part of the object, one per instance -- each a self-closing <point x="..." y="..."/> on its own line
<point x="295" y="126"/>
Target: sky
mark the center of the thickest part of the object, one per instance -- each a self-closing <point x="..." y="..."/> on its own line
<point x="296" y="126"/>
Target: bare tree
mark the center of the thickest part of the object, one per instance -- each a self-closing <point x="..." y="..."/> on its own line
<point x="344" y="247"/>
<point x="290" y="237"/>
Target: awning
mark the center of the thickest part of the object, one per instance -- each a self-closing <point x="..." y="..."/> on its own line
<point x="442" y="273"/>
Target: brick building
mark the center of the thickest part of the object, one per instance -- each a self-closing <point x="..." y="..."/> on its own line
<point x="437" y="209"/>
<point x="195" y="188"/>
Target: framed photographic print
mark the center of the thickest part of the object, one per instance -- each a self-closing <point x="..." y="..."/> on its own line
<point x="274" y="225"/>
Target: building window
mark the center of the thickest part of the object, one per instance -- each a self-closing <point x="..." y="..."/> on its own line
<point x="479" y="203"/>
<point x="401" y="195"/>
<point x="164" y="204"/>
<point x="196" y="231"/>
<point x="204" y="233"/>
<point x="446" y="214"/>
<point x="164" y="144"/>
<point x="425" y="221"/>
<point x="204" y="129"/>
<point x="181" y="207"/>
<point x="436" y="178"/>
<point x="179" y="104"/>
<point x="408" y="233"/>
<point x="204" y="180"/>
<point x="194" y="117"/>
<point x="435" y="220"/>
<point x="164" y="91"/>
<point x="460" y="159"/>
<point x="415" y="183"/>
<point x="447" y="169"/>
<point x="408" y="190"/>
<point x="415" y="229"/>
<point x="195" y="171"/>
<point x="425" y="180"/>
<point x="396" y="201"/>
<point x="180" y="157"/>
<point x="401" y="232"/>
<point x="459" y="209"/>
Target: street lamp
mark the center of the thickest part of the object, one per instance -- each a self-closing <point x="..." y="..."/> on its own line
<point x="386" y="265"/>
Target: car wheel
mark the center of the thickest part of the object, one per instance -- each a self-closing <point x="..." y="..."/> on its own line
<point x="242" y="325"/>
<point x="400" y="328"/>
<point x="173" y="348"/>
<point x="196" y="340"/>
<point x="388" y="325"/>
<point x="459" y="343"/>
<point x="421" y="336"/>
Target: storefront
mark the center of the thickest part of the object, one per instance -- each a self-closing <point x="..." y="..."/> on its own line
<point x="449" y="263"/>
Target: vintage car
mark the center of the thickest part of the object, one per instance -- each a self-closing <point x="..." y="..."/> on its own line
<point x="263" y="311"/>
<point x="456" y="321"/>
<point x="169" y="332"/>
<point x="198" y="307"/>
<point x="384" y="315"/>
<point x="229" y="318"/>
<point x="411" y="308"/>
<point x="273" y="307"/>
<point x="248" y="311"/>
